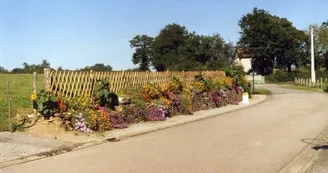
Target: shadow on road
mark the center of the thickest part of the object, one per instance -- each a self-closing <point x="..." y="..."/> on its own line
<point x="319" y="144"/>
<point x="320" y="147"/>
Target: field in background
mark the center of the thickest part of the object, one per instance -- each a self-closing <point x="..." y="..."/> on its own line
<point x="20" y="88"/>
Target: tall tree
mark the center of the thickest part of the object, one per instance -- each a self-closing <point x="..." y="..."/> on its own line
<point x="142" y="55"/>
<point x="45" y="64"/>
<point x="273" y="40"/>
<point x="166" y="45"/>
<point x="175" y="48"/>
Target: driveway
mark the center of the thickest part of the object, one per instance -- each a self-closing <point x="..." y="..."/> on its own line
<point x="259" y="139"/>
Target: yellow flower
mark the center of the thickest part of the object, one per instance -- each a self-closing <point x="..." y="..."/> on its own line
<point x="34" y="96"/>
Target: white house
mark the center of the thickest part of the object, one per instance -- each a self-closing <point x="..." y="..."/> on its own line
<point x="243" y="56"/>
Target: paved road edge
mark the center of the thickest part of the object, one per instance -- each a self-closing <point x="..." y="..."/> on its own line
<point x="302" y="162"/>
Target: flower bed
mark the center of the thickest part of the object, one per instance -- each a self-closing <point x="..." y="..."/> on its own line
<point x="106" y="110"/>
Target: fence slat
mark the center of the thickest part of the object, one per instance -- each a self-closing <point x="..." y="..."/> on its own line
<point x="81" y="83"/>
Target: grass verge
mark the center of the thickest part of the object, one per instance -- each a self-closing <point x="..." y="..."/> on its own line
<point x="20" y="89"/>
<point x="303" y="88"/>
<point x="261" y="91"/>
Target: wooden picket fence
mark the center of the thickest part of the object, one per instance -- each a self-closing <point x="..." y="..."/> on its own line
<point x="320" y="83"/>
<point x="78" y="83"/>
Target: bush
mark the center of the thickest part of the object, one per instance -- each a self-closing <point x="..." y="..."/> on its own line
<point x="283" y="76"/>
<point x="325" y="87"/>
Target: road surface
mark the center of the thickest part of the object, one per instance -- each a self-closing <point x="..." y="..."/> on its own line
<point x="259" y="139"/>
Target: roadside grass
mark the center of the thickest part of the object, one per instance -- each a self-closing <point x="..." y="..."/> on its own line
<point x="20" y="89"/>
<point x="261" y="91"/>
<point x="299" y="87"/>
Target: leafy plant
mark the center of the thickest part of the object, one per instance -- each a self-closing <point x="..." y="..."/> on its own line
<point x="151" y="91"/>
<point x="103" y="96"/>
<point x="45" y="103"/>
<point x="175" y="85"/>
<point x="81" y="103"/>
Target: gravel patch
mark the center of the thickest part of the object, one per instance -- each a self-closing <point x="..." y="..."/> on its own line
<point x="17" y="145"/>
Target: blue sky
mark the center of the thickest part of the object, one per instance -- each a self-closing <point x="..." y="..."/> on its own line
<point x="76" y="33"/>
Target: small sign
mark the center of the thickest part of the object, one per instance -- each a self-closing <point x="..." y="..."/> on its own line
<point x="245" y="98"/>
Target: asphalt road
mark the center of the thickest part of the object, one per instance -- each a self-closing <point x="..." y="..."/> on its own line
<point x="259" y="139"/>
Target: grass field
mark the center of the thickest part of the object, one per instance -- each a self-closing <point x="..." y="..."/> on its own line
<point x="20" y="89"/>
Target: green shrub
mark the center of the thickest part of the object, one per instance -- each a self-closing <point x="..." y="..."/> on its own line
<point x="325" y="87"/>
<point x="261" y="91"/>
<point x="283" y="76"/>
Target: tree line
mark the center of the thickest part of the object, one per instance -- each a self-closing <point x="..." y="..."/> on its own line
<point x="276" y="43"/>
<point x="39" y="68"/>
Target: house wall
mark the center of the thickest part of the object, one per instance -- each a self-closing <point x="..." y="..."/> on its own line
<point x="246" y="62"/>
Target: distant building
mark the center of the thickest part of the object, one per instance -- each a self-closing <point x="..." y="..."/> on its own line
<point x="243" y="56"/>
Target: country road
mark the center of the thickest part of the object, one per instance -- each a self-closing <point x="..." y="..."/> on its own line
<point x="259" y="139"/>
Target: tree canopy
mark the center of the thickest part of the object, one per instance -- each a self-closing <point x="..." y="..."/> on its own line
<point x="274" y="41"/>
<point x="142" y="56"/>
<point x="175" y="48"/>
<point x="98" y="67"/>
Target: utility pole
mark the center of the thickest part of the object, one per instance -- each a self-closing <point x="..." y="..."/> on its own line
<point x="312" y="57"/>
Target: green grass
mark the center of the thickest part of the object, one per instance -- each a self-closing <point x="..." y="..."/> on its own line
<point x="20" y="89"/>
<point x="303" y="88"/>
<point x="261" y="91"/>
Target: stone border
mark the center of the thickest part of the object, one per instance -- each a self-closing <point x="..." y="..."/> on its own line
<point x="131" y="132"/>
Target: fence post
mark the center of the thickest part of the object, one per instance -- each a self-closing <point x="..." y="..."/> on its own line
<point x="9" y="105"/>
<point x="35" y="77"/>
<point x="318" y="83"/>
<point x="47" y="79"/>
<point x="305" y="82"/>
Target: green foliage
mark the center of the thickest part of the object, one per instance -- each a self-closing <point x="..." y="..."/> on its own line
<point x="283" y="76"/>
<point x="102" y="94"/>
<point x="166" y="46"/>
<point x="20" y="91"/>
<point x="176" y="85"/>
<point x="239" y="77"/>
<point x="325" y="88"/>
<point x="3" y="70"/>
<point x="261" y="91"/>
<point x="273" y="40"/>
<point x="142" y="55"/>
<point x="175" y="48"/>
<point x="321" y="45"/>
<point x="32" y="68"/>
<point x="81" y="103"/>
<point x="98" y="67"/>
<point x="46" y="103"/>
